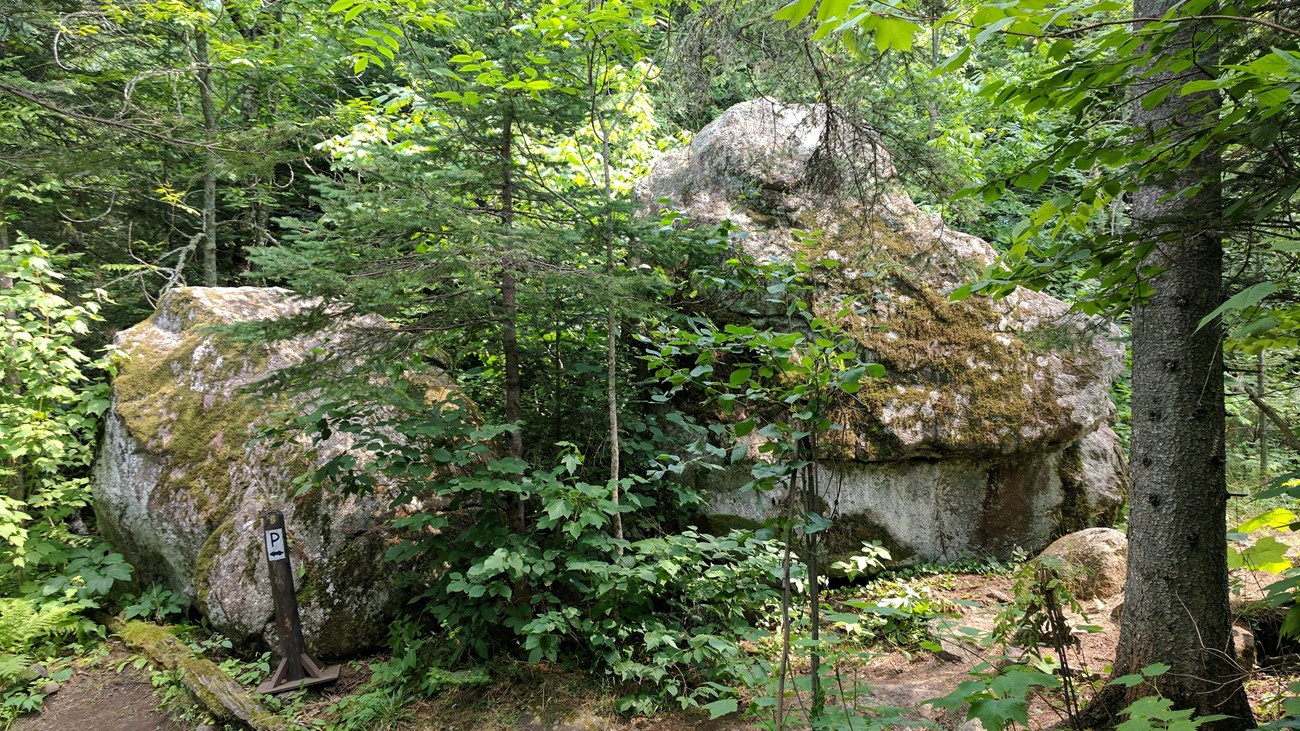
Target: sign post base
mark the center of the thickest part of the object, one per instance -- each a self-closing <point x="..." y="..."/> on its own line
<point x="313" y="674"/>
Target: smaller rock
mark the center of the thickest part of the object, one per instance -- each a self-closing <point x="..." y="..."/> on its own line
<point x="973" y="724"/>
<point x="1243" y="647"/>
<point x="1091" y="562"/>
<point x="38" y="670"/>
<point x="998" y="596"/>
<point x="50" y="688"/>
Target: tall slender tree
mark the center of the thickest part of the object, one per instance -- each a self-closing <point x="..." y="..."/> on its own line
<point x="1176" y="598"/>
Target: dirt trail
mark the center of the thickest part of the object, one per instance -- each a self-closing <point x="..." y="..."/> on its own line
<point x="101" y="699"/>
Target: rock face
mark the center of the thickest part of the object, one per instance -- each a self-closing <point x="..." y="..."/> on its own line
<point x="1092" y="563"/>
<point x="179" y="488"/>
<point x="990" y="431"/>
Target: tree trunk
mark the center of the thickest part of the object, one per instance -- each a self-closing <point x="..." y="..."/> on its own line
<point x="202" y="77"/>
<point x="1176" y="601"/>
<point x="510" y="307"/>
<point x="611" y="329"/>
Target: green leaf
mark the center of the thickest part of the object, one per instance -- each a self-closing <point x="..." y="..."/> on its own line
<point x="739" y="377"/>
<point x="1199" y="85"/>
<point x="720" y="708"/>
<point x="1291" y="624"/>
<point x="1156" y="669"/>
<point x="1275" y="518"/>
<point x="1272" y="97"/>
<point x="849" y="380"/>
<point x="993" y="28"/>
<point x="795" y="11"/>
<point x="998" y="713"/>
<point x="1267" y="554"/>
<point x="816" y="524"/>
<point x="895" y="33"/>
<point x="953" y="62"/>
<point x="1152" y="99"/>
<point x="1236" y="303"/>
<point x="1060" y="49"/>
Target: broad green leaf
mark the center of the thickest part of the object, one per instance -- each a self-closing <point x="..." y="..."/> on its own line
<point x="1236" y="303"/>
<point x="739" y="377"/>
<point x="1152" y="99"/>
<point x="1156" y="669"/>
<point x="998" y="713"/>
<point x="720" y="708"/>
<point x="795" y="11"/>
<point x="1275" y="518"/>
<point x="1291" y="624"/>
<point x="1267" y="554"/>
<point x="993" y="28"/>
<point x="895" y="33"/>
<point x="1199" y="85"/>
<point x="1274" y="96"/>
<point x="850" y="379"/>
<point x="953" y="62"/>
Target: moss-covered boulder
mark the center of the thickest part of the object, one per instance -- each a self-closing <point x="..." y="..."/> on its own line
<point x="990" y="431"/>
<point x="180" y="482"/>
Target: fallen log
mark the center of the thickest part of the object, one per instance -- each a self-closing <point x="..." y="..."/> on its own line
<point x="220" y="694"/>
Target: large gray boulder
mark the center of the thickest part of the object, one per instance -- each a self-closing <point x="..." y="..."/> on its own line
<point x="990" y="431"/>
<point x="180" y="483"/>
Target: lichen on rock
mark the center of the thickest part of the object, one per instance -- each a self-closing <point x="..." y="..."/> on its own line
<point x="995" y="412"/>
<point x="181" y="482"/>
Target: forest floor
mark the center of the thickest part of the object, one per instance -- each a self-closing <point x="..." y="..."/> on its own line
<point x="107" y="693"/>
<point x="110" y="694"/>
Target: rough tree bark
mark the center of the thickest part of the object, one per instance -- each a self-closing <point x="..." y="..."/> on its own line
<point x="203" y="78"/>
<point x="1176" y="602"/>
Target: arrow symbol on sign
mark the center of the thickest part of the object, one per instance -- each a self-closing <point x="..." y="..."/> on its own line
<point x="275" y="545"/>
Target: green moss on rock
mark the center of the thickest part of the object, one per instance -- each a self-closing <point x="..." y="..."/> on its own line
<point x="330" y="589"/>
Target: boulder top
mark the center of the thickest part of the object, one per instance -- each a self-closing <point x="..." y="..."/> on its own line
<point x="980" y="376"/>
<point x="183" y="308"/>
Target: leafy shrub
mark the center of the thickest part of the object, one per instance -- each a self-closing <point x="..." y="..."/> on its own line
<point x="524" y="562"/>
<point x="49" y="409"/>
<point x="156" y="603"/>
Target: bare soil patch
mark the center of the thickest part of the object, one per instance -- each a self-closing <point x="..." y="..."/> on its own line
<point x="99" y="697"/>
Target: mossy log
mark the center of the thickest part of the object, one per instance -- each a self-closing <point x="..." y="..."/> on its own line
<point x="220" y="694"/>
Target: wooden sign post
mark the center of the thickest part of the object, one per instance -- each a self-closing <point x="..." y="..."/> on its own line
<point x="297" y="669"/>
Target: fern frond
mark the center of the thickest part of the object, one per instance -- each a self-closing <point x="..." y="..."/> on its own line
<point x="25" y="621"/>
<point x="12" y="668"/>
